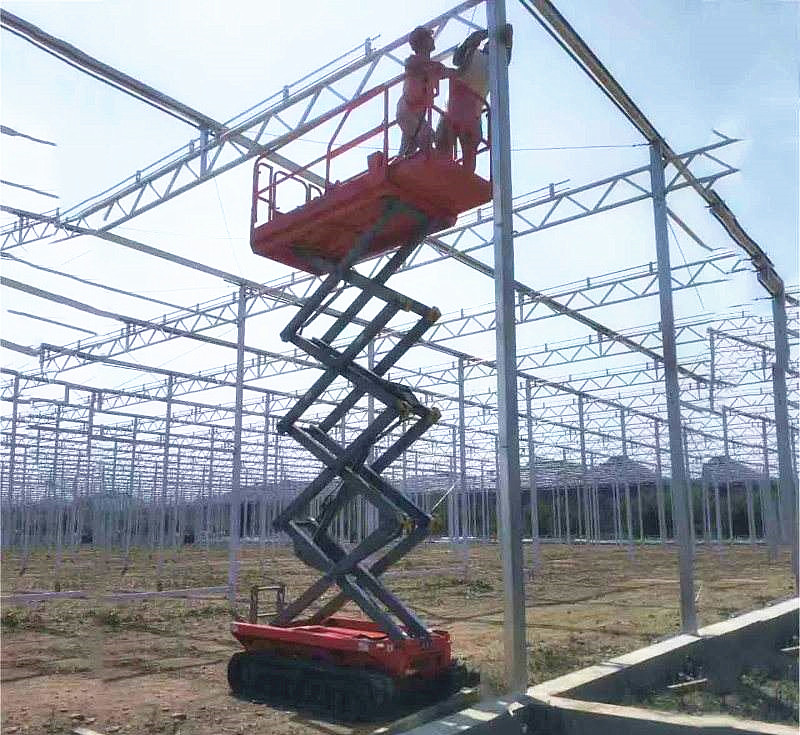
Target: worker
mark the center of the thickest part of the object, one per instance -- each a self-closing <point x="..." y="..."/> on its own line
<point x="468" y="91"/>
<point x="420" y="86"/>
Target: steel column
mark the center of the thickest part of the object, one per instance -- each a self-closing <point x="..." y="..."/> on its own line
<point x="236" y="472"/>
<point x="787" y="482"/>
<point x="13" y="444"/>
<point x="662" y="516"/>
<point x="264" y="475"/>
<point x="689" y="487"/>
<point x="164" y="479"/>
<point x="769" y="520"/>
<point x="678" y="485"/>
<point x="508" y="482"/>
<point x="462" y="448"/>
<point x="712" y="377"/>
<point x="532" y="489"/>
<point x="89" y="431"/>
<point x="582" y="489"/>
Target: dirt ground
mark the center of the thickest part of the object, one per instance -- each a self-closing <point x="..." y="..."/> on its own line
<point x="158" y="666"/>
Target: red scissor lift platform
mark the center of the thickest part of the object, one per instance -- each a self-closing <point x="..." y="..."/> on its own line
<point x="327" y="226"/>
<point x="354" y="669"/>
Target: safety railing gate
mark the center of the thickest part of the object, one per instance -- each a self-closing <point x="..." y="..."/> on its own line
<point x="269" y="181"/>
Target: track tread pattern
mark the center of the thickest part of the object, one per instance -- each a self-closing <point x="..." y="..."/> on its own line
<point x="342" y="694"/>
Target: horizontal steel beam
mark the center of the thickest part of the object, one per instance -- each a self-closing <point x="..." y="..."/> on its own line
<point x="559" y="27"/>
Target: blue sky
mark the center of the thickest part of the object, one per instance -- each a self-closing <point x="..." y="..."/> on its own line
<point x="691" y="66"/>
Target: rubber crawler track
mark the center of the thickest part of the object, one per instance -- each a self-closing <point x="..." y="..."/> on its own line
<point x="343" y="694"/>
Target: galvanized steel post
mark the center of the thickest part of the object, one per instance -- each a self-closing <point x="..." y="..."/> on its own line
<point x="787" y="482"/>
<point x="508" y="480"/>
<point x="712" y="373"/>
<point x="236" y="475"/>
<point x="769" y="520"/>
<point x="13" y="442"/>
<point x="264" y="473"/>
<point x="583" y="506"/>
<point x="534" y="494"/>
<point x="462" y="450"/>
<point x="162" y="515"/>
<point x="662" y="516"/>
<point x="678" y="485"/>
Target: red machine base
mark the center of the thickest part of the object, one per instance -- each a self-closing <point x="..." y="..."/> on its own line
<point x="347" y="669"/>
<point x="327" y="227"/>
<point x="350" y="643"/>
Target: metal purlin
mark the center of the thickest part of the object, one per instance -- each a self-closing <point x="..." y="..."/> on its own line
<point x="349" y="471"/>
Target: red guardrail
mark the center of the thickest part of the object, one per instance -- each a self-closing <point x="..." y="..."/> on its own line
<point x="267" y="195"/>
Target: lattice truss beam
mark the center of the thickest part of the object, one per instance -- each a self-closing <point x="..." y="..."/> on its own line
<point x="83" y="415"/>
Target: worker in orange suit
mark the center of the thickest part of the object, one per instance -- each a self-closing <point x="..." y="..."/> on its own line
<point x="420" y="86"/>
<point x="468" y="91"/>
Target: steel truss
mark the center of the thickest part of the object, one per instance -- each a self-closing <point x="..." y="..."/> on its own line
<point x="556" y="400"/>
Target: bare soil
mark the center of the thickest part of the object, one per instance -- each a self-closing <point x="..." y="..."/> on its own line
<point x="158" y="666"/>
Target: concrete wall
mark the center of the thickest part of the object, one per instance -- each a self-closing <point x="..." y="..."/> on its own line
<point x="722" y="652"/>
<point x="585" y="702"/>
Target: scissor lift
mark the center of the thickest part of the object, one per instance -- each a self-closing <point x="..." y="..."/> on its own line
<point x="354" y="669"/>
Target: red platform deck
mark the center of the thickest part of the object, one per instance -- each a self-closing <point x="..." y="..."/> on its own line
<point x="350" y="642"/>
<point x="328" y="226"/>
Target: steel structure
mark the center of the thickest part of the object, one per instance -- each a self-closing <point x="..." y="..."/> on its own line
<point x="630" y="430"/>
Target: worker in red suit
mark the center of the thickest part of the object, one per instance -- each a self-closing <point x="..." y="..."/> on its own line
<point x="468" y="91"/>
<point x="420" y="86"/>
